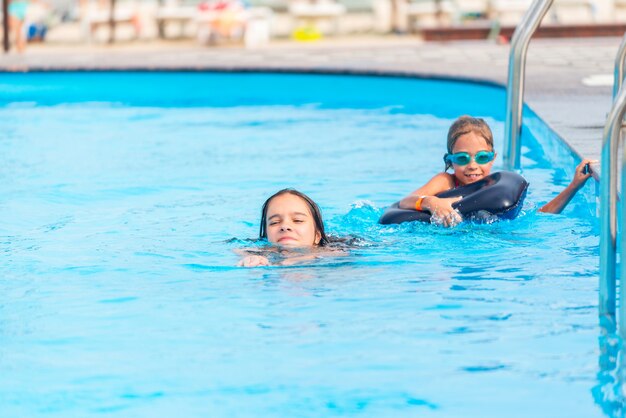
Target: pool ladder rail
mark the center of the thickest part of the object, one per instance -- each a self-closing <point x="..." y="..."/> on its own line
<point x="609" y="204"/>
<point x="515" y="84"/>
<point x="612" y="137"/>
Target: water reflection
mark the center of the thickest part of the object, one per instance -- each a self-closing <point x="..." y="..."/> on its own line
<point x="609" y="393"/>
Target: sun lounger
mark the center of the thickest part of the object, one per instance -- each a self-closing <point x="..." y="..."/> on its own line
<point x="96" y="15"/>
<point x="431" y="13"/>
<point x="173" y="13"/>
<point x="251" y="25"/>
<point x="574" y="11"/>
<point x="508" y="12"/>
<point x="314" y="12"/>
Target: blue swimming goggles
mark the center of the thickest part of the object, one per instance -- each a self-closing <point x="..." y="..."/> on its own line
<point x="463" y="158"/>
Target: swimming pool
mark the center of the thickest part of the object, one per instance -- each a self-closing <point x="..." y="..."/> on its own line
<point x="124" y="194"/>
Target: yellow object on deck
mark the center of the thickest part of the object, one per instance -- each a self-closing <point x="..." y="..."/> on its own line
<point x="306" y="34"/>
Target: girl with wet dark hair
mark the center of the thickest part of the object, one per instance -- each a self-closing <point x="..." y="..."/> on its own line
<point x="292" y="222"/>
<point x="293" y="201"/>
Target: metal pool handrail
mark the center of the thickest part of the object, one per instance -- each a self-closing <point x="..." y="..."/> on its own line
<point x="608" y="201"/>
<point x="618" y="78"/>
<point x="515" y="85"/>
<point x="608" y="210"/>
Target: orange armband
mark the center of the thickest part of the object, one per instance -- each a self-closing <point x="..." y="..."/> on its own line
<point x="418" y="202"/>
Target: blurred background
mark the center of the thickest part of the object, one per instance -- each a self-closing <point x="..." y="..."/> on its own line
<point x="255" y="23"/>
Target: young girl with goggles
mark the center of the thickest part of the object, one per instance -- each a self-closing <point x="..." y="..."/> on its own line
<point x="471" y="155"/>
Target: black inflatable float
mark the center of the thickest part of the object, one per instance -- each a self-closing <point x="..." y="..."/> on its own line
<point x="498" y="195"/>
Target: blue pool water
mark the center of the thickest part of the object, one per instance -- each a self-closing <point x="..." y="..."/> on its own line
<point x="124" y="195"/>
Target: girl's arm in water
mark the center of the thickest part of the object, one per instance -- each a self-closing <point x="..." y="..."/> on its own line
<point x="252" y="257"/>
<point x="559" y="203"/>
<point x="316" y="254"/>
<point x="288" y="258"/>
<point x="253" y="261"/>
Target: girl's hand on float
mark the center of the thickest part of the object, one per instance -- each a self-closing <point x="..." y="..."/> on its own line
<point x="253" y="261"/>
<point x="442" y="211"/>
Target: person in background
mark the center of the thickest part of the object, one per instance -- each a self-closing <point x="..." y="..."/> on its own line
<point x="17" y="17"/>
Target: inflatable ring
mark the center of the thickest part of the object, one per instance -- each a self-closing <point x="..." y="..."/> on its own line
<point x="497" y="196"/>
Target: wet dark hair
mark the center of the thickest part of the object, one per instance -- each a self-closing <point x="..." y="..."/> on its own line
<point x="315" y="212"/>
<point x="464" y="125"/>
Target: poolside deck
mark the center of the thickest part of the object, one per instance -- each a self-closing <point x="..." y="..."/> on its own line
<point x="568" y="80"/>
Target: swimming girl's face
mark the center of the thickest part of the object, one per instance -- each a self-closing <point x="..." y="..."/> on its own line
<point x="290" y="222"/>
<point x="471" y="143"/>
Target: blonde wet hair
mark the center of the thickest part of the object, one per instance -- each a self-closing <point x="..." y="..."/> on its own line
<point x="464" y="125"/>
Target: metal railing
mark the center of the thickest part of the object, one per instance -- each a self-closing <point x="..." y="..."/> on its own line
<point x="609" y="203"/>
<point x="609" y="164"/>
<point x="608" y="210"/>
<point x="515" y="85"/>
<point x="618" y="78"/>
